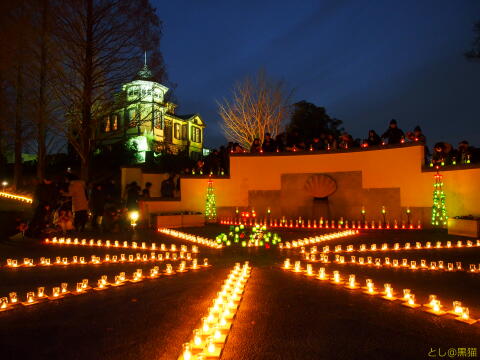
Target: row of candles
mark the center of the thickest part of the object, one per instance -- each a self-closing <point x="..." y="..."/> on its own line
<point x="317" y="239"/>
<point x="191" y="238"/>
<point x="117" y="244"/>
<point x="97" y="260"/>
<point x="17" y="197"/>
<point x="408" y="299"/>
<point x="208" y="340"/>
<point x="407" y="246"/>
<point x="395" y="263"/>
<point x="58" y="292"/>
<point x="309" y="224"/>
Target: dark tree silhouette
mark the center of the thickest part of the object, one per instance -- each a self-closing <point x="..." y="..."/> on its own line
<point x="311" y="120"/>
<point x="474" y="52"/>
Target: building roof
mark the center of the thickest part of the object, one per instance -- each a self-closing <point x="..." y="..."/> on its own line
<point x="186" y="116"/>
<point x="144" y="74"/>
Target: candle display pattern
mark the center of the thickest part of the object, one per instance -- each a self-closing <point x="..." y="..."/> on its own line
<point x="12" y="301"/>
<point x="316" y="239"/>
<point x="387" y="292"/>
<point x="133" y="245"/>
<point x="97" y="260"/>
<point x="387" y="262"/>
<point x="428" y="245"/>
<point x="300" y="223"/>
<point x="200" y="240"/>
<point x="209" y="339"/>
<point x="17" y="197"/>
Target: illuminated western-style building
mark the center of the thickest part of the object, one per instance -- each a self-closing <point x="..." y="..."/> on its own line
<point x="143" y="118"/>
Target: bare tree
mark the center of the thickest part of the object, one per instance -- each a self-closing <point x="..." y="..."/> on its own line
<point x="258" y="105"/>
<point x="101" y="42"/>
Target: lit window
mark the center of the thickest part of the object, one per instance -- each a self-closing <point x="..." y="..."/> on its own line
<point x="184" y="132"/>
<point x="176" y="130"/>
<point x="115" y="122"/>
<point x="157" y="119"/>
<point x="132" y="117"/>
<point x="196" y="134"/>
<point x="107" y="124"/>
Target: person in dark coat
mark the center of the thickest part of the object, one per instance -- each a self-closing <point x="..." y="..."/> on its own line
<point x="45" y="199"/>
<point x="316" y="144"/>
<point x="373" y="139"/>
<point x="98" y="199"/>
<point x="280" y="142"/>
<point x="393" y="135"/>
<point x="133" y="195"/>
<point x="256" y="146"/>
<point x="269" y="144"/>
<point x="442" y="153"/>
<point x="168" y="187"/>
<point x="464" y="152"/>
<point x="417" y="136"/>
<point x="346" y="141"/>
<point x="146" y="191"/>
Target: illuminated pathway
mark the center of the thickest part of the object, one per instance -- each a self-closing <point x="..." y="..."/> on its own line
<point x="282" y="315"/>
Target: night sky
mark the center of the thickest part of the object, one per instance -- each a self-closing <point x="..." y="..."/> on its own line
<point x="365" y="61"/>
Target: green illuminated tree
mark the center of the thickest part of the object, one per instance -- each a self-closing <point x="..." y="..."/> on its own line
<point x="439" y="209"/>
<point x="210" y="205"/>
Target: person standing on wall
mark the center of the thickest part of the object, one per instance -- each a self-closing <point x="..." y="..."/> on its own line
<point x="393" y="135"/>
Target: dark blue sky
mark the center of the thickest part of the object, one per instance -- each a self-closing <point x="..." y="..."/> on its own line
<point x="365" y="61"/>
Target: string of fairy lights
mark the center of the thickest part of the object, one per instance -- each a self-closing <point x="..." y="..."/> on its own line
<point x="58" y="292"/>
<point x="208" y="340"/>
<point x="406" y="298"/>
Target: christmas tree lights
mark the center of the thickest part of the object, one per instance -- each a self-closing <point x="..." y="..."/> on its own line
<point x="210" y="206"/>
<point x="439" y="209"/>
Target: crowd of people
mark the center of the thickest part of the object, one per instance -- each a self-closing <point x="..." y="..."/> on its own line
<point x="443" y="153"/>
<point x="67" y="205"/>
<point x="217" y="162"/>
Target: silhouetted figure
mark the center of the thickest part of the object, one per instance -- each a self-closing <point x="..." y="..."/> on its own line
<point x="442" y="153"/>
<point x="256" y="146"/>
<point x="316" y="144"/>
<point x="146" y="191"/>
<point x="464" y="152"/>
<point x="280" y="142"/>
<point x="269" y="144"/>
<point x="168" y="187"/>
<point x="393" y="135"/>
<point x="373" y="139"/>
<point x="45" y="199"/>
<point x="133" y="195"/>
<point x="97" y="205"/>
<point x="77" y="191"/>
<point x="346" y="141"/>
